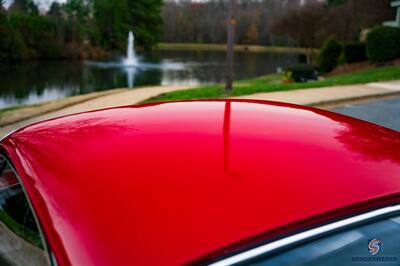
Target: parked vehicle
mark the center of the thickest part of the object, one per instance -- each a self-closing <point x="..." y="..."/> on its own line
<point x="302" y="73"/>
<point x="219" y="182"/>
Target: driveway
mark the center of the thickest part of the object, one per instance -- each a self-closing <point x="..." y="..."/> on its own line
<point x="384" y="112"/>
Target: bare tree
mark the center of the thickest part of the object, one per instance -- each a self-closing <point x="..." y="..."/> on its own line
<point x="186" y="21"/>
<point x="303" y="25"/>
<point x="348" y="19"/>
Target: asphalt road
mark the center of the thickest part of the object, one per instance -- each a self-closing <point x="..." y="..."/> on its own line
<point x="384" y="112"/>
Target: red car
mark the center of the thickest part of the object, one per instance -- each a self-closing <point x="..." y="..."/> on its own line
<point x="205" y="182"/>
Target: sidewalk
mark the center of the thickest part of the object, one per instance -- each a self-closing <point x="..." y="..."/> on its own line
<point x="323" y="96"/>
<point x="311" y="97"/>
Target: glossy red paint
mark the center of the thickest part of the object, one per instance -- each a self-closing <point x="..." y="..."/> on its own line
<point x="165" y="184"/>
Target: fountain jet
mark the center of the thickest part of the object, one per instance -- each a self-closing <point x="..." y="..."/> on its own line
<point x="131" y="58"/>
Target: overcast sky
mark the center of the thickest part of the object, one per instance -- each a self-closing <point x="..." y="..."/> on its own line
<point x="40" y="3"/>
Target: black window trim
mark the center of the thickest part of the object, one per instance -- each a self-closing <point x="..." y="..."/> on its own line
<point x="308" y="235"/>
<point x="50" y="255"/>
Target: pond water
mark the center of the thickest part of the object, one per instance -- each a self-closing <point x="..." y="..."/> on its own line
<point x="37" y="82"/>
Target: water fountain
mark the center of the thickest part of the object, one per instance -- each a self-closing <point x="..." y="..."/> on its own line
<point x="131" y="65"/>
<point x="131" y="58"/>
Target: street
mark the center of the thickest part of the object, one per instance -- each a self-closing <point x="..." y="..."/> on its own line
<point x="383" y="112"/>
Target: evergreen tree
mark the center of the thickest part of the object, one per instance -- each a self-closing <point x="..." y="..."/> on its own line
<point x="78" y="8"/>
<point x="24" y="6"/>
<point x="112" y="19"/>
<point x="55" y="10"/>
<point x="116" y="18"/>
<point x="56" y="15"/>
<point x="2" y="13"/>
<point x="146" y="21"/>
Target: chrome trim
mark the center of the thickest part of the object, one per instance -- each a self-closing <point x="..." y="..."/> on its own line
<point x="264" y="249"/>
<point x="8" y="134"/>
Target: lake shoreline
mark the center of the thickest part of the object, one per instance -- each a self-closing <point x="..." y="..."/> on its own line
<point x="35" y="82"/>
<point x="238" y="48"/>
<point x="96" y="53"/>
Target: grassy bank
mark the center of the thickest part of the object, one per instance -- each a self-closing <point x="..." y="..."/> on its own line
<point x="13" y="108"/>
<point x="272" y="83"/>
<point x="238" y="48"/>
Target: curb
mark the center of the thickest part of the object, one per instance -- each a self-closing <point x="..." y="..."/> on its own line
<point x="331" y="104"/>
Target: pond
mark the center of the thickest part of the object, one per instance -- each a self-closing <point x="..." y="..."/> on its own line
<point x="37" y="81"/>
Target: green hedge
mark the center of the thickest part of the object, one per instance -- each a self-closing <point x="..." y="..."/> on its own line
<point x="383" y="44"/>
<point x="355" y="52"/>
<point x="329" y="57"/>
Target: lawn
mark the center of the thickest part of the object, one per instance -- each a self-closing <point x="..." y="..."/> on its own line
<point x="13" y="108"/>
<point x="273" y="83"/>
<point x="9" y="109"/>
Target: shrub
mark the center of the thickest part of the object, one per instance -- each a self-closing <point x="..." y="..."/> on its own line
<point x="302" y="73"/>
<point x="383" y="44"/>
<point x="329" y="56"/>
<point x="354" y="52"/>
<point x="12" y="45"/>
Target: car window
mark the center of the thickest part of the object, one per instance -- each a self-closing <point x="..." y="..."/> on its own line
<point x="20" y="239"/>
<point x="375" y="244"/>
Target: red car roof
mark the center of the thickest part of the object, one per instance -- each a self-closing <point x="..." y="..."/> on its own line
<point x="165" y="184"/>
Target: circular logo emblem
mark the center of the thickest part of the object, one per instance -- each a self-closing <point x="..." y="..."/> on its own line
<point x="374" y="246"/>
